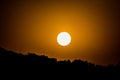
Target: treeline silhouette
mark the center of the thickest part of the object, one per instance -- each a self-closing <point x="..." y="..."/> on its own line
<point x="84" y="69"/>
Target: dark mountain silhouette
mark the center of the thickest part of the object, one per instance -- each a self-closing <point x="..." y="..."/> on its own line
<point x="81" y="69"/>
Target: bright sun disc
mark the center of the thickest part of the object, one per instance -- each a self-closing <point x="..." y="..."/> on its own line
<point x="64" y="38"/>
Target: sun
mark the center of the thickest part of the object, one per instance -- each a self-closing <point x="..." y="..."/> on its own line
<point x="63" y="38"/>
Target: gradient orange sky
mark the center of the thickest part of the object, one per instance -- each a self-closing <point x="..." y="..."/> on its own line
<point x="33" y="26"/>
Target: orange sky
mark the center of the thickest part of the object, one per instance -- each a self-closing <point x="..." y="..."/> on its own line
<point x="33" y="26"/>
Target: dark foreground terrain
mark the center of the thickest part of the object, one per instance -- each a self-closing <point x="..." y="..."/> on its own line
<point x="50" y="66"/>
